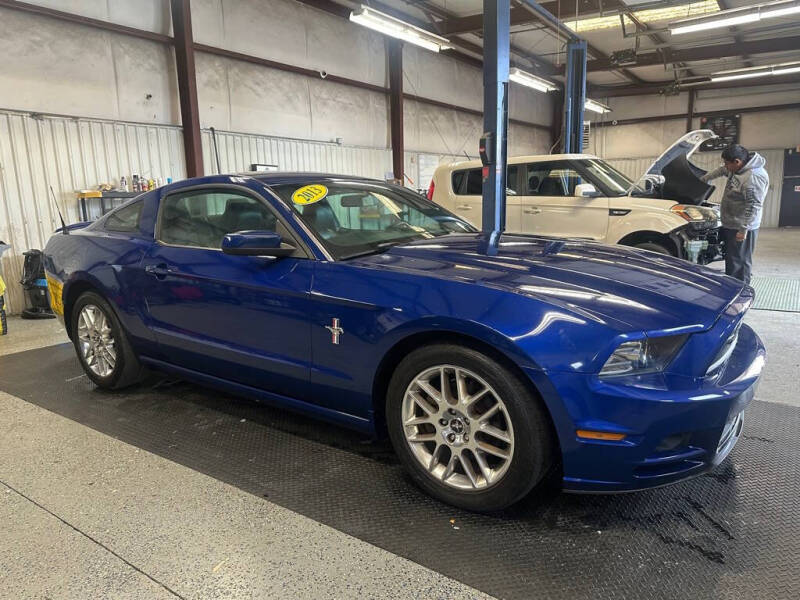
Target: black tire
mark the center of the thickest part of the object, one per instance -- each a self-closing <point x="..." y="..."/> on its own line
<point x="655" y="247"/>
<point x="127" y="369"/>
<point x="533" y="449"/>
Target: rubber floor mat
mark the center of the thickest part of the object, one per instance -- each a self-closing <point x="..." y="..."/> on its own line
<point x="775" y="293"/>
<point x="732" y="533"/>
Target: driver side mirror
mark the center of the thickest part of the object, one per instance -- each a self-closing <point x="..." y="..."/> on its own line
<point x="586" y="190"/>
<point x="256" y="243"/>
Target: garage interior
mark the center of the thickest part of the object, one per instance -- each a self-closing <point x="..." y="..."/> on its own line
<point x="169" y="489"/>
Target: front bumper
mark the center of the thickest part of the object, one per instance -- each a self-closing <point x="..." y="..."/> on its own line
<point x="674" y="427"/>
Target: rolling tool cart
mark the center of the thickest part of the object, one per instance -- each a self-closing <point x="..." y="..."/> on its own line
<point x="37" y="298"/>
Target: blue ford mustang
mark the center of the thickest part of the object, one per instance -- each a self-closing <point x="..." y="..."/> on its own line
<point x="366" y="305"/>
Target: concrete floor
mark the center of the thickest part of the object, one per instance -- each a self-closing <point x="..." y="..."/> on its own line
<point x="86" y="516"/>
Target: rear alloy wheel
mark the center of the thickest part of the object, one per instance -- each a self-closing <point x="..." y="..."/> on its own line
<point x="101" y="343"/>
<point x="469" y="430"/>
<point x="96" y="341"/>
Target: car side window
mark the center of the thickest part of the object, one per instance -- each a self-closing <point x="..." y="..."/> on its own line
<point x="125" y="219"/>
<point x="474" y="181"/>
<point x="551" y="179"/>
<point x="202" y="218"/>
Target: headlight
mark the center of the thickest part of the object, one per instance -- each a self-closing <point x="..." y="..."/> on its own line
<point x="647" y="355"/>
<point x="696" y="214"/>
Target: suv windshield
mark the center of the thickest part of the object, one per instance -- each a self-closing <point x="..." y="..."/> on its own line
<point x="355" y="218"/>
<point x="615" y="182"/>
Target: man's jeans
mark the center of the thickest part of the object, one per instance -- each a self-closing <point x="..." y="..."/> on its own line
<point x="739" y="255"/>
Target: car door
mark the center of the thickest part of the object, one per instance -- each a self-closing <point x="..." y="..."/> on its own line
<point x="468" y="191"/>
<point x="240" y="318"/>
<point x="550" y="207"/>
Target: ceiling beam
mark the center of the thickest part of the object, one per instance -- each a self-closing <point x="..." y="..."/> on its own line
<point x="717" y="51"/>
<point x="659" y="87"/>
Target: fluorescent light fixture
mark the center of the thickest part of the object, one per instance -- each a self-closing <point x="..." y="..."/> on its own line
<point x="780" y="69"/>
<point x="780" y="9"/>
<point x="532" y="81"/>
<point x="386" y="24"/>
<point x="736" y="16"/>
<point x="648" y="15"/>
<point x="595" y="106"/>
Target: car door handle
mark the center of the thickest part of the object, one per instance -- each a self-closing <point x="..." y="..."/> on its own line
<point x="532" y="211"/>
<point x="159" y="271"/>
<point x="464" y="207"/>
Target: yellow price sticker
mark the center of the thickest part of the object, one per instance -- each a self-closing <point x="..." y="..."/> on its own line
<point x="308" y="194"/>
<point x="56" y="292"/>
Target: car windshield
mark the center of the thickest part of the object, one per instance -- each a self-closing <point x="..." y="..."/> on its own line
<point x="356" y="218"/>
<point x="615" y="182"/>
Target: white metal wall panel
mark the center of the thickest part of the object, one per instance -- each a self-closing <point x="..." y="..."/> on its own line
<point x="237" y="151"/>
<point x="69" y="154"/>
<point x="635" y="167"/>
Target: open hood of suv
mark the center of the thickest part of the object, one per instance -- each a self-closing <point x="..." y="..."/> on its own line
<point x="673" y="177"/>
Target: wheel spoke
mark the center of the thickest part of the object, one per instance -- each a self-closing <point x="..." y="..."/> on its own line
<point x="467" y="466"/>
<point x="447" y="395"/>
<point x="423" y="404"/>
<point x="486" y="470"/>
<point x="451" y="466"/>
<point x="435" y="457"/>
<point x="419" y="438"/>
<point x="430" y="390"/>
<point x="496" y="433"/>
<point x="416" y="421"/>
<point x="493" y="450"/>
<point x="489" y="413"/>
<point x="469" y="401"/>
<point x="461" y="386"/>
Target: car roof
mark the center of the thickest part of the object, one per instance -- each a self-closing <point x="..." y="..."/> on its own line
<point x="515" y="160"/>
<point x="278" y="177"/>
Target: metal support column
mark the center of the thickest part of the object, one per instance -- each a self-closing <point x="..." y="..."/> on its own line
<point x="187" y="86"/>
<point x="690" y="111"/>
<point x="574" y="96"/>
<point x="494" y="143"/>
<point x="395" y="55"/>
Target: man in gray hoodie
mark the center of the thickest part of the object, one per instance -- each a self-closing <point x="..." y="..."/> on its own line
<point x="742" y="204"/>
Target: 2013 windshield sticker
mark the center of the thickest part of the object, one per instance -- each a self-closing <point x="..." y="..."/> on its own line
<point x="309" y="194"/>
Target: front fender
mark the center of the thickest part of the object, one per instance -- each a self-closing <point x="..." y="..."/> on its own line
<point x="645" y="214"/>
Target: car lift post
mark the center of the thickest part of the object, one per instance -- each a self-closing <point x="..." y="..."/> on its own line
<point x="574" y="83"/>
<point x="574" y="96"/>
<point x="494" y="142"/>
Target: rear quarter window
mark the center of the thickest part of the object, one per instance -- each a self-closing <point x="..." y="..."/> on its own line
<point x="469" y="182"/>
<point x="125" y="219"/>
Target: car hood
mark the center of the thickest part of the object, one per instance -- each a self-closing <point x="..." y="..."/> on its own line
<point x="626" y="288"/>
<point x="676" y="178"/>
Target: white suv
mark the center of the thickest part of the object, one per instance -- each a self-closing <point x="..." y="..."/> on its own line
<point x="581" y="196"/>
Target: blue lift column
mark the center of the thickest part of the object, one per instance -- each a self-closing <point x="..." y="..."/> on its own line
<point x="575" y="82"/>
<point x="574" y="96"/>
<point x="494" y="142"/>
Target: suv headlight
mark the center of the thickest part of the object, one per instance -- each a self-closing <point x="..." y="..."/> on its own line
<point x="696" y="214"/>
<point x="647" y="355"/>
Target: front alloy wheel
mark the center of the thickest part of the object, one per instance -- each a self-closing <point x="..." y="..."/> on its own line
<point x="469" y="428"/>
<point x="458" y="427"/>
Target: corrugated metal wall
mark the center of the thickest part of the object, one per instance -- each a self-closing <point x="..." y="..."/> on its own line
<point x="69" y="154"/>
<point x="634" y="167"/>
<point x="237" y="151"/>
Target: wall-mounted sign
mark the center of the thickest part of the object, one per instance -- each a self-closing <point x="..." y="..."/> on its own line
<point x="725" y="126"/>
